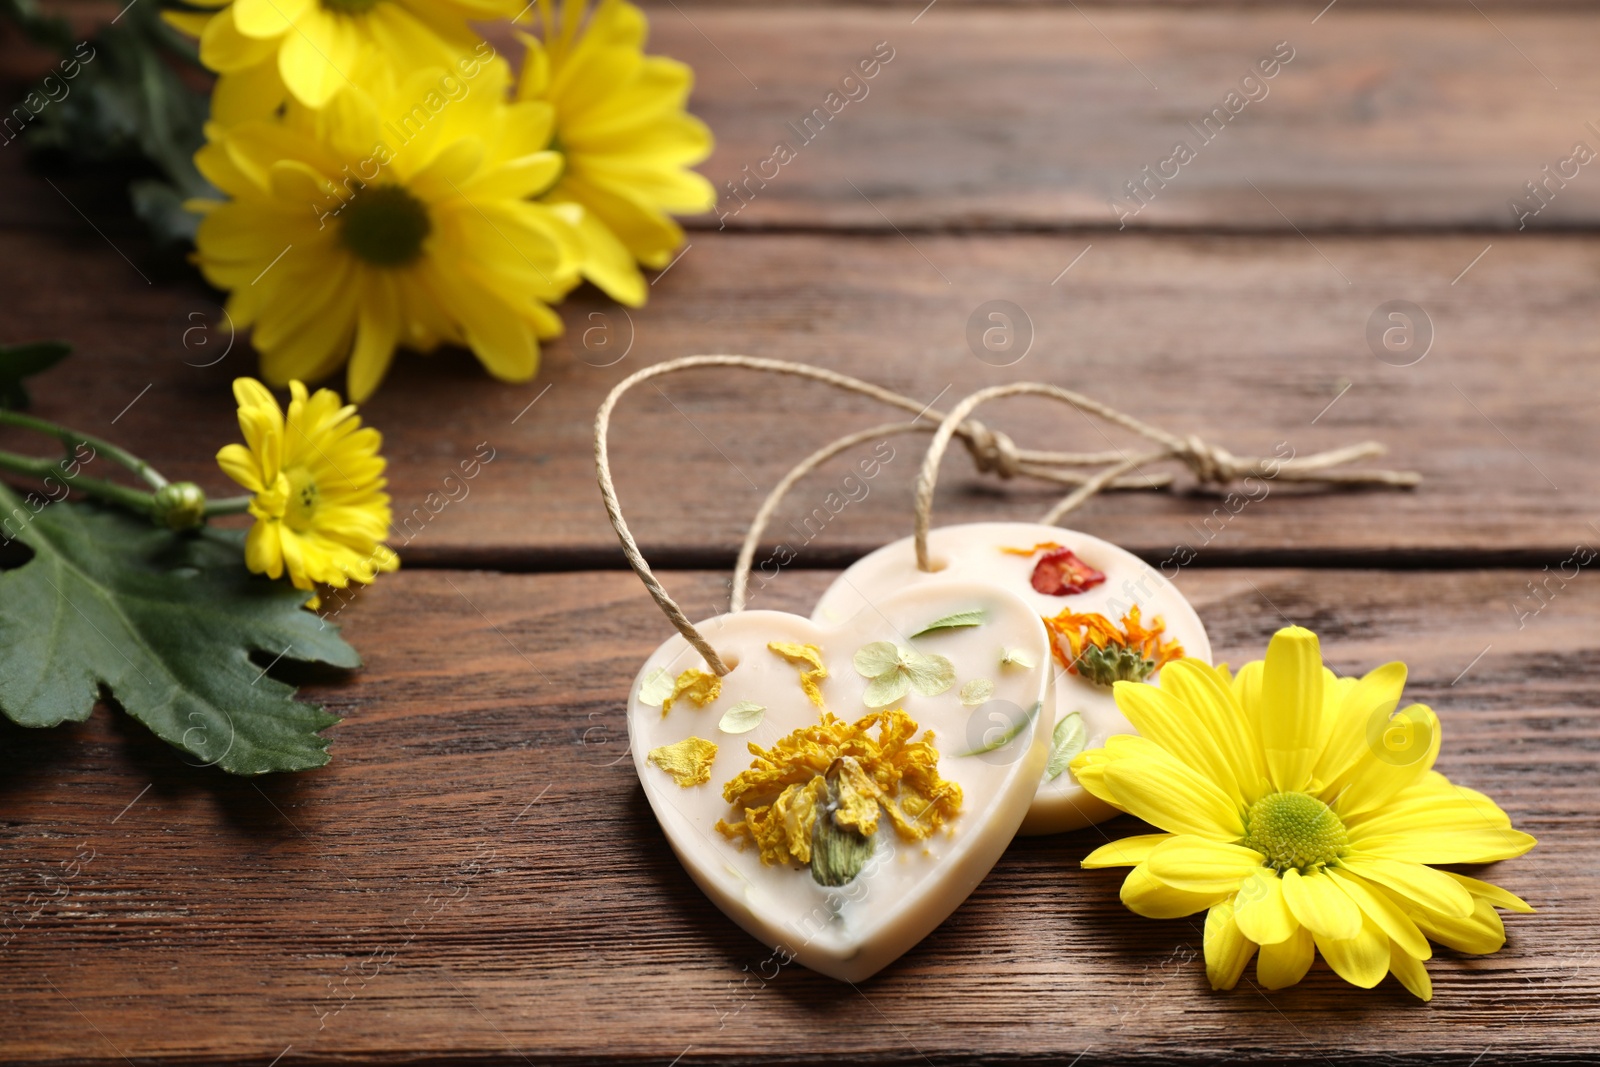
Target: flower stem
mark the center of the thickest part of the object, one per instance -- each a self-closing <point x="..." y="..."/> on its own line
<point x="134" y="499"/>
<point x="233" y="505"/>
<point x="72" y="438"/>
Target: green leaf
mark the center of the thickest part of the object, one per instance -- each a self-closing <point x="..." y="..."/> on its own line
<point x="1006" y="737"/>
<point x="742" y="718"/>
<point x="23" y="361"/>
<point x="1065" y="744"/>
<point x="165" y="624"/>
<point x="959" y="620"/>
<point x="930" y="675"/>
<point x="875" y="659"/>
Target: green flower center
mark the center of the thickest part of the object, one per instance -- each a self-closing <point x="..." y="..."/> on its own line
<point x="385" y="225"/>
<point x="349" y="7"/>
<point x="1295" y="831"/>
<point x="301" y="506"/>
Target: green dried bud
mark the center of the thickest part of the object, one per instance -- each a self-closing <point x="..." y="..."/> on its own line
<point x="838" y="851"/>
<point x="1114" y="663"/>
<point x="180" y="506"/>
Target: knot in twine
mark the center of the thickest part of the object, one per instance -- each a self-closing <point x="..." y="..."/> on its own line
<point x="992" y="451"/>
<point x="1210" y="464"/>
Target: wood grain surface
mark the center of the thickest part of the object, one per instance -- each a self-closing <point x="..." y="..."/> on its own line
<point x="1266" y="338"/>
<point x="477" y="878"/>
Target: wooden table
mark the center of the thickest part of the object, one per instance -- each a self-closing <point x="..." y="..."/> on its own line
<point x="477" y="878"/>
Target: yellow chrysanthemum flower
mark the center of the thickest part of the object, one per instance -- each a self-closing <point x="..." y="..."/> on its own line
<point x="398" y="216"/>
<point x="319" y="47"/>
<point x="627" y="141"/>
<point x="320" y="509"/>
<point x="1303" y="816"/>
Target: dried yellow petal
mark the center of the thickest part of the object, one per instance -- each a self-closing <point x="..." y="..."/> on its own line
<point x="779" y="794"/>
<point x="858" y="797"/>
<point x="804" y="656"/>
<point x="700" y="686"/>
<point x="688" y="761"/>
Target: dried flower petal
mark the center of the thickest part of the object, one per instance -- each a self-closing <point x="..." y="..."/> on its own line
<point x="807" y="656"/>
<point x="700" y="686"/>
<point x="655" y="688"/>
<point x="977" y="692"/>
<point x="1105" y="652"/>
<point x="742" y="717"/>
<point x="688" y="761"/>
<point x="778" y="796"/>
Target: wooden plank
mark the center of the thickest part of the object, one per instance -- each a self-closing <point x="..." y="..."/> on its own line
<point x="477" y="878"/>
<point x="1248" y="342"/>
<point x="1037" y="117"/>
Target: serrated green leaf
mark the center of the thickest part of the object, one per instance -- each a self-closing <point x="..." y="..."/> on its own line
<point x="165" y="624"/>
<point x="742" y="717"/>
<point x="1006" y="737"/>
<point x="655" y="688"/>
<point x="1065" y="744"/>
<point x="957" y="621"/>
<point x="977" y="692"/>
<point x="23" y="361"/>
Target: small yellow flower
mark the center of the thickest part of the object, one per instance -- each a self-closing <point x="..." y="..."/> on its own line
<point x="318" y="47"/>
<point x="398" y="215"/>
<point x="627" y="141"/>
<point x="320" y="510"/>
<point x="1303" y="815"/>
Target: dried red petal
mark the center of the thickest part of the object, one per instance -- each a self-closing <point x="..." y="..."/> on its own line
<point x="1061" y="573"/>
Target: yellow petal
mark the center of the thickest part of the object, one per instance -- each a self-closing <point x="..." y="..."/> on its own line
<point x="1283" y="964"/>
<point x="1320" y="905"/>
<point x="1260" y="910"/>
<point x="1209" y="697"/>
<point x="1168" y="795"/>
<point x="1144" y="895"/>
<point x="1480" y="933"/>
<point x="1411" y="973"/>
<point x="1403" y="756"/>
<point x="1500" y="898"/>
<point x="688" y="761"/>
<point x="1416" y="885"/>
<point x="1197" y="865"/>
<point x="1227" y="949"/>
<point x="1366" y="705"/>
<point x="1128" y="852"/>
<point x="1361" y="960"/>
<point x="237" y="463"/>
<point x="1469" y="846"/>
<point x="377" y="332"/>
<point x="1379" y="907"/>
<point x="1173" y="725"/>
<point x="1291" y="707"/>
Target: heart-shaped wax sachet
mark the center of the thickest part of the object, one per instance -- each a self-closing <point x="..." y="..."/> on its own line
<point x="1111" y="616"/>
<point x="844" y="787"/>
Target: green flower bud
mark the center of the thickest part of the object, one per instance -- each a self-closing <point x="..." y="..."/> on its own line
<point x="180" y="506"/>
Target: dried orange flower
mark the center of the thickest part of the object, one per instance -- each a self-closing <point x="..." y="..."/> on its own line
<point x="836" y="769"/>
<point x="1105" y="652"/>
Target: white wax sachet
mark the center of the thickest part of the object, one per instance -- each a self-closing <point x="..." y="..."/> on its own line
<point x="857" y="832"/>
<point x="1104" y="580"/>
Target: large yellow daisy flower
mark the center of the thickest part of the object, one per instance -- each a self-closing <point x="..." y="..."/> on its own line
<point x="1303" y="815"/>
<point x="393" y="217"/>
<point x="320" y="509"/>
<point x="320" y="46"/>
<point x="627" y="141"/>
